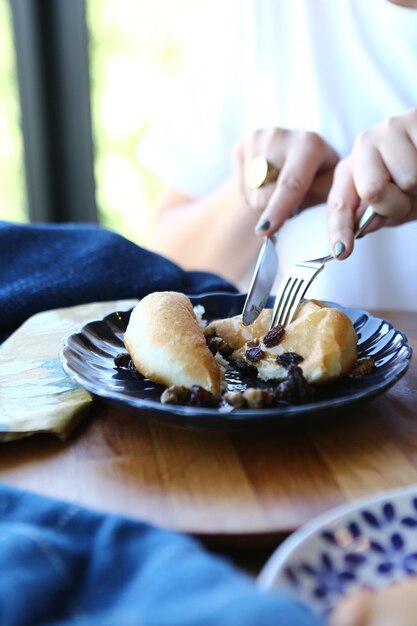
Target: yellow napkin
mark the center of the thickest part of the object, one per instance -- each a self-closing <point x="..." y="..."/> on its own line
<point x="35" y="393"/>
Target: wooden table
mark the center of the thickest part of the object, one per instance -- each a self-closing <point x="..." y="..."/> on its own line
<point x="244" y="489"/>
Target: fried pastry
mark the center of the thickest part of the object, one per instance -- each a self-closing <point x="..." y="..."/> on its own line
<point x="322" y="337"/>
<point x="168" y="346"/>
<point x="234" y="332"/>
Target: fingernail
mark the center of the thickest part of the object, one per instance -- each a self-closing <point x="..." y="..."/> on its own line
<point x="263" y="225"/>
<point x="338" y="249"/>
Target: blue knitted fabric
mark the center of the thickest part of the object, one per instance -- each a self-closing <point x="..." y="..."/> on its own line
<point x="62" y="565"/>
<point x="50" y="266"/>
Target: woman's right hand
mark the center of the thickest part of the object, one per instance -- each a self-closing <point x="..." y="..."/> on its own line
<point x="305" y="162"/>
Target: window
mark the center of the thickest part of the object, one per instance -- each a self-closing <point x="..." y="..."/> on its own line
<point x="125" y="52"/>
<point x="135" y="47"/>
<point x="13" y="200"/>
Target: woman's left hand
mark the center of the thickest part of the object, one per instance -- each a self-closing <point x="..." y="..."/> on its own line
<point x="381" y="170"/>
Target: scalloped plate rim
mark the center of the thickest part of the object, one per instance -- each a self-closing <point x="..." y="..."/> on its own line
<point x="234" y="415"/>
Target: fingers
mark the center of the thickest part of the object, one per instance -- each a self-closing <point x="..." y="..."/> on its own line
<point x="306" y="155"/>
<point x="381" y="171"/>
<point x="345" y="208"/>
<point x="255" y="198"/>
<point x="267" y="143"/>
<point x="305" y="163"/>
<point x="399" y="155"/>
<point x="382" y="177"/>
<point x="342" y="204"/>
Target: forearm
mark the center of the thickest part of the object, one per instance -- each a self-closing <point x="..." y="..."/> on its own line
<point x="215" y="233"/>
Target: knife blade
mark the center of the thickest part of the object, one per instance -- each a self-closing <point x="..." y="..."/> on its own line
<point x="262" y="281"/>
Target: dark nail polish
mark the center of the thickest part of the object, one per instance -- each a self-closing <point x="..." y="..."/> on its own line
<point x="263" y="225"/>
<point x="338" y="249"/>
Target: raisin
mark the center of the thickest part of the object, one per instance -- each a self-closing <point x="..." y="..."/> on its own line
<point x="123" y="359"/>
<point x="294" y="389"/>
<point x="213" y="344"/>
<point x="201" y="397"/>
<point x="273" y="337"/>
<point x="286" y="392"/>
<point x="254" y="354"/>
<point x="289" y="358"/>
<point x="217" y="344"/>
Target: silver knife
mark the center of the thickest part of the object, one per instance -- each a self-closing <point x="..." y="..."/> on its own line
<point x="262" y="280"/>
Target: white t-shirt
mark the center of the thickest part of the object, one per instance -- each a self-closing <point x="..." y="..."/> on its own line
<point x="335" y="67"/>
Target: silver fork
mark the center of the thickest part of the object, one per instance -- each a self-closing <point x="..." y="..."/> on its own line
<point x="296" y="282"/>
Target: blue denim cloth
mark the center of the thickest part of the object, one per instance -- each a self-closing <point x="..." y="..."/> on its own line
<point x="49" y="266"/>
<point x="62" y="565"/>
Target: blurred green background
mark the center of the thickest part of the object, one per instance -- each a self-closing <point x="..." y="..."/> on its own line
<point x="135" y="48"/>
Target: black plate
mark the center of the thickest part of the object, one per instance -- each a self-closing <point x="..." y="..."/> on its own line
<point x="88" y="358"/>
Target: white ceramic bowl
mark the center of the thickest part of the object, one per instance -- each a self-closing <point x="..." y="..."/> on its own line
<point x="371" y="542"/>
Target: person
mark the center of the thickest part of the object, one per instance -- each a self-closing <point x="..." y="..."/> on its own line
<point x="394" y="604"/>
<point x="382" y="171"/>
<point x="307" y="85"/>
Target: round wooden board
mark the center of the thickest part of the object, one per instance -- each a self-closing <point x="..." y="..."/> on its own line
<point x="228" y="487"/>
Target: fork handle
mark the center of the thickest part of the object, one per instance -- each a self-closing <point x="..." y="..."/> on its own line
<point x="364" y="221"/>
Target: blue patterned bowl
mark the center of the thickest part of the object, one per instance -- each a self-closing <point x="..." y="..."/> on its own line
<point x="369" y="543"/>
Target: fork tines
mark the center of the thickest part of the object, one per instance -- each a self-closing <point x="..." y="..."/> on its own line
<point x="292" y="290"/>
<point x="299" y="278"/>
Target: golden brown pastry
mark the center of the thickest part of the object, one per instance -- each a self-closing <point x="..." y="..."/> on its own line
<point x="168" y="346"/>
<point x="323" y="336"/>
<point x="235" y="333"/>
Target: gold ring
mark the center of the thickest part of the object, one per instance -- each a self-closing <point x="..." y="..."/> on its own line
<point x="260" y="172"/>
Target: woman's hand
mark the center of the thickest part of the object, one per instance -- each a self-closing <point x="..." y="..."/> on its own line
<point x="382" y="171"/>
<point x="306" y="164"/>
